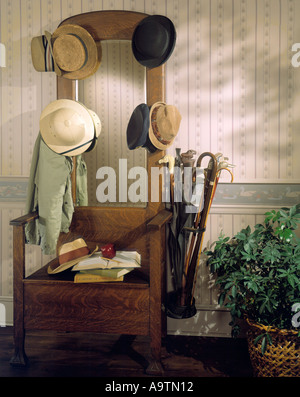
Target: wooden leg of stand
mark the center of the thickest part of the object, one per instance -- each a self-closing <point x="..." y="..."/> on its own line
<point x="156" y="287"/>
<point x="19" y="359"/>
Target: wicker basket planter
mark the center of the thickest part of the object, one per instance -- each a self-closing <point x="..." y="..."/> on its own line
<point x="281" y="359"/>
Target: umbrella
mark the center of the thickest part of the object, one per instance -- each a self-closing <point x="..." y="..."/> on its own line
<point x="192" y="262"/>
<point x="181" y="218"/>
<point x="188" y="225"/>
<point x="216" y="165"/>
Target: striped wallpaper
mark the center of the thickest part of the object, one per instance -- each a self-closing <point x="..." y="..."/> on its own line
<point x="121" y="81"/>
<point x="230" y="76"/>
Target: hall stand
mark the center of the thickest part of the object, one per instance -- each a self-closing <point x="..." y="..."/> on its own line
<point x="131" y="307"/>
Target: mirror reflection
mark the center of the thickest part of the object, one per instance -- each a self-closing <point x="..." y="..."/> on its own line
<point x="113" y="92"/>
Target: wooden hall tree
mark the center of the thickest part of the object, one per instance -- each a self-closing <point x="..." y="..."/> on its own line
<point x="132" y="307"/>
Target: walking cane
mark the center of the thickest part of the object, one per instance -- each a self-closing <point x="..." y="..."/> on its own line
<point x="195" y="248"/>
<point x="169" y="161"/>
<point x="200" y="250"/>
<point x="197" y="220"/>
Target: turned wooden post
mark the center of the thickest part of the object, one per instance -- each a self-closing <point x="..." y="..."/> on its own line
<point x="156" y="236"/>
<point x="19" y="358"/>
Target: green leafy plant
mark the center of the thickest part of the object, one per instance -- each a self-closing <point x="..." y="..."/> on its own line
<point x="258" y="272"/>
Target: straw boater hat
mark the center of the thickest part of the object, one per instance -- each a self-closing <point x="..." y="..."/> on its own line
<point x="68" y="127"/>
<point x="164" y="124"/>
<point x="69" y="255"/>
<point x="153" y="40"/>
<point x="42" y="56"/>
<point x="70" y="51"/>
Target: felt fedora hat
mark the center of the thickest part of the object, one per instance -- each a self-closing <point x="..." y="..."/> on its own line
<point x="138" y="129"/>
<point x="164" y="124"/>
<point x="97" y="129"/>
<point x="42" y="55"/>
<point x="75" y="52"/>
<point x="153" y="40"/>
<point x="67" y="127"/>
<point x="69" y="255"/>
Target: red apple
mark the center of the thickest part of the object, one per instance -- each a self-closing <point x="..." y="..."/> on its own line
<point x="108" y="251"/>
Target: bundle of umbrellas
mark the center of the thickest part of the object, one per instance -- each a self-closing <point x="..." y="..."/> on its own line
<point x="192" y="190"/>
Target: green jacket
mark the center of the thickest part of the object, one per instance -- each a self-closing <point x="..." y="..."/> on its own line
<point x="50" y="193"/>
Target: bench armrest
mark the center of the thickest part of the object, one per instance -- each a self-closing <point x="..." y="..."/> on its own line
<point x="22" y="220"/>
<point x="159" y="220"/>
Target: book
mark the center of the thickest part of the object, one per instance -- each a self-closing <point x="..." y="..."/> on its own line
<point x="114" y="273"/>
<point x="123" y="259"/>
<point x="95" y="278"/>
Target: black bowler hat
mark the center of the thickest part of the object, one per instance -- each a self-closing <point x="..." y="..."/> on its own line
<point x="138" y="129"/>
<point x="153" y="40"/>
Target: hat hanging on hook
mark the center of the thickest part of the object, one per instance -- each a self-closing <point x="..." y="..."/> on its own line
<point x="164" y="124"/>
<point x="153" y="40"/>
<point x="70" y="52"/>
<point x="69" y="128"/>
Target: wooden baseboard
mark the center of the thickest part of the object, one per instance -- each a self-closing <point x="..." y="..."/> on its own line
<point x="210" y="322"/>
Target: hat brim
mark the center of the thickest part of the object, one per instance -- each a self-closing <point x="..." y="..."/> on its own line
<point x="152" y="137"/>
<point x="149" y="146"/>
<point x="57" y="70"/>
<point x="97" y="130"/>
<point x="54" y="266"/>
<point x="151" y="63"/>
<point x="94" y="51"/>
<point x="73" y="150"/>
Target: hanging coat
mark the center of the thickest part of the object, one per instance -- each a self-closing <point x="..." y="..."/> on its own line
<point x="50" y="194"/>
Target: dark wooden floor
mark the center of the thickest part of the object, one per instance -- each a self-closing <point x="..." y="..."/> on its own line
<point x="54" y="354"/>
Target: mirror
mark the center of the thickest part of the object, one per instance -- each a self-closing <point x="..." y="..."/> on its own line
<point x="113" y="92"/>
<point x="116" y="25"/>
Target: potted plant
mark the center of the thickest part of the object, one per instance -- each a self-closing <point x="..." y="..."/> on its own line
<point x="258" y="272"/>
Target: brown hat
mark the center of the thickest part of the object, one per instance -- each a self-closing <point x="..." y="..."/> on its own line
<point x="164" y="124"/>
<point x="71" y="50"/>
<point x="69" y="255"/>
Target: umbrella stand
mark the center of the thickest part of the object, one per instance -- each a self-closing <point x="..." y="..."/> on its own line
<point x="176" y="310"/>
<point x="187" y="235"/>
<point x="178" y="238"/>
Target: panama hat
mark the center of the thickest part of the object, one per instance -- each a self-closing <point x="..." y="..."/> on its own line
<point x="153" y="40"/>
<point x="138" y="129"/>
<point x="42" y="56"/>
<point x="70" y="51"/>
<point x="67" y="127"/>
<point x="69" y="255"/>
<point x="164" y="124"/>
